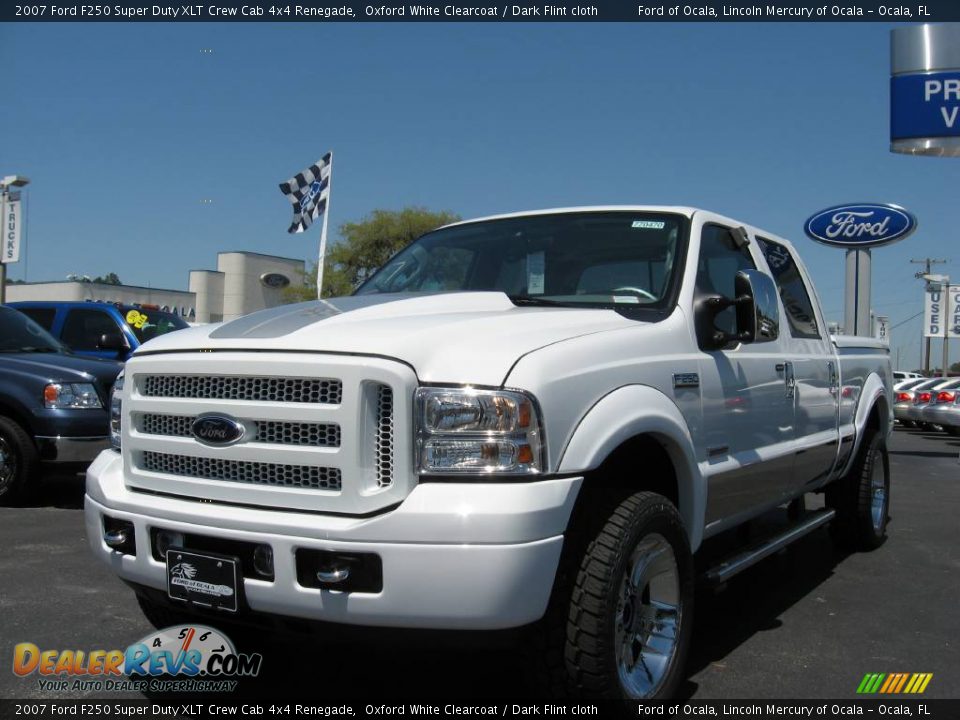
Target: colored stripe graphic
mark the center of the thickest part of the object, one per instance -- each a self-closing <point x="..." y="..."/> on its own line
<point x="894" y="683"/>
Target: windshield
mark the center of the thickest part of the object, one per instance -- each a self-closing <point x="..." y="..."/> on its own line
<point x="18" y="333"/>
<point x="148" y="324"/>
<point x="593" y="259"/>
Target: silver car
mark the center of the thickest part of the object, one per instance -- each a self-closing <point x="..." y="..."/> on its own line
<point x="949" y="418"/>
<point x="924" y="395"/>
<point x="904" y="393"/>
<point x="941" y="401"/>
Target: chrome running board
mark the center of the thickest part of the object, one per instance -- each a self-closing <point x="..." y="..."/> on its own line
<point x="739" y="562"/>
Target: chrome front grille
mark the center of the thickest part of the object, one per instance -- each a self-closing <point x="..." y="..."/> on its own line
<point x="238" y="471"/>
<point x="323" y="433"/>
<point x="324" y="391"/>
<point x="272" y="432"/>
<point x="384" y="436"/>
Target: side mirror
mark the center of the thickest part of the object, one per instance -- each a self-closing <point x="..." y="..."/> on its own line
<point x="112" y="341"/>
<point x="757" y="311"/>
<point x="758" y="314"/>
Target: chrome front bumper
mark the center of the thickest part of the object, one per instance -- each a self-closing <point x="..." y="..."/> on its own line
<point x="477" y="556"/>
<point x="71" y="449"/>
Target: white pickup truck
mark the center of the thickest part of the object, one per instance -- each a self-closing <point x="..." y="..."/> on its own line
<point x="526" y="420"/>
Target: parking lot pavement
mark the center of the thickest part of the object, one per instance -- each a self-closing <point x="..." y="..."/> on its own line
<point x="808" y="623"/>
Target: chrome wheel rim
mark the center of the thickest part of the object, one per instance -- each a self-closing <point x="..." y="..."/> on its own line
<point x="8" y="464"/>
<point x="878" y="494"/>
<point x="647" y="617"/>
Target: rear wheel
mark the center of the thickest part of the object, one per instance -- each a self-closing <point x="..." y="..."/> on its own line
<point x="18" y="461"/>
<point x="862" y="497"/>
<point x="631" y="609"/>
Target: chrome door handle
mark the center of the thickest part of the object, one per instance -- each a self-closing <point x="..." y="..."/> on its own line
<point x="789" y="379"/>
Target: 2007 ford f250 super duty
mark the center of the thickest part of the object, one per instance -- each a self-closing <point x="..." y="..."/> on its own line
<point x="534" y="419"/>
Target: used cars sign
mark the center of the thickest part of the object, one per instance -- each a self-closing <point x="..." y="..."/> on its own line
<point x="860" y="226"/>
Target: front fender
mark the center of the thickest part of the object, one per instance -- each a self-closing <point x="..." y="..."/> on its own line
<point x="635" y="410"/>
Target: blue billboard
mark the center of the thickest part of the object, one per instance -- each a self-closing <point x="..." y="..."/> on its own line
<point x="925" y="105"/>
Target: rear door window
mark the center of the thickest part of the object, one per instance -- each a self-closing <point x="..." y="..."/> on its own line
<point x="83" y="328"/>
<point x="793" y="291"/>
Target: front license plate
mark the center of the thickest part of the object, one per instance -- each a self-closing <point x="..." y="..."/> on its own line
<point x="207" y="580"/>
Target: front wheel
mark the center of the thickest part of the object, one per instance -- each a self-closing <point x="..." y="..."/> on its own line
<point x="18" y="461"/>
<point x="631" y="609"/>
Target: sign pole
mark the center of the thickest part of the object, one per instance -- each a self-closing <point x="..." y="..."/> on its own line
<point x="857" y="305"/>
<point x="946" y="331"/>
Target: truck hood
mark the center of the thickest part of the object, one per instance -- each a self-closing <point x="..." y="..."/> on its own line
<point x="60" y="367"/>
<point x="473" y="337"/>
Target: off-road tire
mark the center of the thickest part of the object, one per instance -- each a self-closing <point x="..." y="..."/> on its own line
<point x="588" y="666"/>
<point x="22" y="459"/>
<point x="859" y="524"/>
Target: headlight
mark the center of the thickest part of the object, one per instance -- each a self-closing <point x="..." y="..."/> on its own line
<point x="62" y="396"/>
<point x="116" y="402"/>
<point x="462" y="430"/>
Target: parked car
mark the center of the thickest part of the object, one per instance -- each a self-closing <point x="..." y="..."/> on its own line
<point x="899" y="375"/>
<point x="903" y="394"/>
<point x="532" y="419"/>
<point x="53" y="404"/>
<point x="941" y="400"/>
<point x="104" y="330"/>
<point x="949" y="419"/>
<point x="923" y="395"/>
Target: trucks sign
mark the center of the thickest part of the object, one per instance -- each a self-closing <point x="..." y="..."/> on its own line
<point x="860" y="226"/>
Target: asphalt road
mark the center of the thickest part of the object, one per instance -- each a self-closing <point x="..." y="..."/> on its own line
<point x="808" y="623"/>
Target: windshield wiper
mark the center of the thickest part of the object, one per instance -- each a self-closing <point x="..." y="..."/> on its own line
<point x="536" y="300"/>
<point x="32" y="349"/>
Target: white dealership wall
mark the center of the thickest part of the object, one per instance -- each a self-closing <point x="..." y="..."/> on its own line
<point x="235" y="288"/>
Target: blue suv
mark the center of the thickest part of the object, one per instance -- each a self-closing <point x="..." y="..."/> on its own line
<point x="103" y="330"/>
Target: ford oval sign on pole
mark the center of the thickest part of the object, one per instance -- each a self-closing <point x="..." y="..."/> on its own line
<point x="857" y="227"/>
<point x="862" y="225"/>
<point x="925" y="89"/>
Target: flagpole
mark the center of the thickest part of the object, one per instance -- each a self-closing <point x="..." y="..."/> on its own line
<point x="323" y="231"/>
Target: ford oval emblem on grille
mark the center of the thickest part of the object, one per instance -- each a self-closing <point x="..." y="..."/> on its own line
<point x="217" y="430"/>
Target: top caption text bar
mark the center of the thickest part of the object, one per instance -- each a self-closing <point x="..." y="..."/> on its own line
<point x="485" y="11"/>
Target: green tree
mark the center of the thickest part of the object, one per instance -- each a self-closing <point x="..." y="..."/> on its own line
<point x="955" y="367"/>
<point x="365" y="246"/>
<point x="108" y="279"/>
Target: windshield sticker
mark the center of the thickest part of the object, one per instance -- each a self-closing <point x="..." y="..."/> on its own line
<point x="535" y="273"/>
<point x="649" y="224"/>
<point x="626" y="299"/>
<point x="136" y="319"/>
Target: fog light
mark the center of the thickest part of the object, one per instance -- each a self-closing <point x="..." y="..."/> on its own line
<point x="263" y="560"/>
<point x="166" y="539"/>
<point x="118" y="535"/>
<point x="115" y="539"/>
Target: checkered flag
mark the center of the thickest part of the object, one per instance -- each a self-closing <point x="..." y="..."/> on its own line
<point x="309" y="191"/>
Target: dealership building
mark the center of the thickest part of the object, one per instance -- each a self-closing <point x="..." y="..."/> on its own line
<point x="243" y="282"/>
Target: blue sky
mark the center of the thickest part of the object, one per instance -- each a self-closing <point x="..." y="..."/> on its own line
<point x="126" y="129"/>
